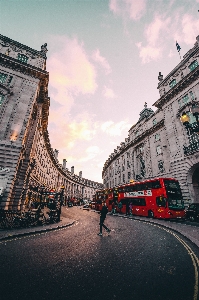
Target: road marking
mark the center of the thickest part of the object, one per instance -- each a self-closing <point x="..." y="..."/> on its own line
<point x="193" y="256"/>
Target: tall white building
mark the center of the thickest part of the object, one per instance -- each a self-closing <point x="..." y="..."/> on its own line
<point x="28" y="164"/>
<point x="159" y="145"/>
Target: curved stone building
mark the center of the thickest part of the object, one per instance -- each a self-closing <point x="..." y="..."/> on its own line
<point x="28" y="164"/>
<point x="159" y="145"/>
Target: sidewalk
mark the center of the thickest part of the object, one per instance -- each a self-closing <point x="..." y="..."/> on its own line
<point x="19" y="232"/>
<point x="189" y="231"/>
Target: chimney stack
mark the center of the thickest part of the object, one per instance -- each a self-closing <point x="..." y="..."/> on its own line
<point x="64" y="163"/>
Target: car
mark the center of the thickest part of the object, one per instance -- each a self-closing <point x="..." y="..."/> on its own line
<point x="92" y="205"/>
<point x="192" y="212"/>
<point x="70" y="204"/>
<point x="86" y="206"/>
<point x="85" y="201"/>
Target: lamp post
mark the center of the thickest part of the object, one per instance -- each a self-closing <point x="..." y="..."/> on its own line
<point x="41" y="193"/>
<point x="62" y="194"/>
<point x="185" y="119"/>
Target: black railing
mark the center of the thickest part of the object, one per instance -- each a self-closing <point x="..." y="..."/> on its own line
<point x="194" y="147"/>
<point x="17" y="219"/>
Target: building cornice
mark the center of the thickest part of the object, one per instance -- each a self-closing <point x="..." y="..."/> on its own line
<point x="135" y="142"/>
<point x="16" y="46"/>
<point x="180" y="86"/>
<point x="27" y="69"/>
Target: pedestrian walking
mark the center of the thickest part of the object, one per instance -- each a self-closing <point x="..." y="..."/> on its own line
<point x="113" y="208"/>
<point x="130" y="208"/>
<point x="103" y="214"/>
<point x="127" y="207"/>
<point x="58" y="209"/>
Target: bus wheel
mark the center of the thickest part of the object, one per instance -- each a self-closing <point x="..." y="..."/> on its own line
<point x="150" y="214"/>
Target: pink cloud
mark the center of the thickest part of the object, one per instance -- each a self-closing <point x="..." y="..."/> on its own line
<point x="71" y="73"/>
<point x="108" y="93"/>
<point x="115" y="129"/>
<point x="70" y="70"/>
<point x="190" y="29"/>
<point x="133" y="9"/>
<point x="155" y="33"/>
<point x="149" y="53"/>
<point x="71" y="131"/>
<point x="102" y="61"/>
<point x="154" y="30"/>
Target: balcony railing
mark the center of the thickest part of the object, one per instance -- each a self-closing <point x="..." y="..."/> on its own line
<point x="191" y="148"/>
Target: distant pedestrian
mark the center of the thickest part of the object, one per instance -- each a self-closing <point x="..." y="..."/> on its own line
<point x="127" y="207"/>
<point x="130" y="208"/>
<point x="103" y="214"/>
<point x="58" y="209"/>
<point x="113" y="208"/>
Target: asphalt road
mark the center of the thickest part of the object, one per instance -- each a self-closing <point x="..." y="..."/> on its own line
<point x="138" y="261"/>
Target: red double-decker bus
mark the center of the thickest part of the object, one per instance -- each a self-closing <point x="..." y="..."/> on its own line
<point x="111" y="196"/>
<point x="156" y="198"/>
<point x="99" y="198"/>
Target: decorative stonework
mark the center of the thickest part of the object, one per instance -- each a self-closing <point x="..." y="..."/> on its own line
<point x="168" y="149"/>
<point x="25" y="147"/>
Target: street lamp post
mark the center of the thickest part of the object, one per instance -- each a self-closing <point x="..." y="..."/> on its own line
<point x="62" y="194"/>
<point x="185" y="119"/>
<point x="41" y="193"/>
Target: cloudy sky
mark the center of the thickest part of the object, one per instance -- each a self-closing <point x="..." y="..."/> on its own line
<point x="104" y="57"/>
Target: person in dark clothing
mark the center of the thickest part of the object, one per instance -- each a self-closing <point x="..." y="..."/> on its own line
<point x="102" y="218"/>
<point x="127" y="207"/>
<point x="58" y="209"/>
<point x="113" y="208"/>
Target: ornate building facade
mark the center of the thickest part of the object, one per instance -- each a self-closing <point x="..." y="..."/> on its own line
<point x="159" y="145"/>
<point x="28" y="164"/>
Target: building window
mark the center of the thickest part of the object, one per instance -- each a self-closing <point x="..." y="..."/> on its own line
<point x="154" y="122"/>
<point x="10" y="79"/>
<point x="141" y="149"/>
<point x="161" y="166"/>
<point x="180" y="103"/>
<point x="1" y="99"/>
<point x="191" y="117"/>
<point x="158" y="150"/>
<point x="193" y="65"/>
<point x="3" y="77"/>
<point x="129" y="175"/>
<point x="172" y="83"/>
<point x="23" y="58"/>
<point x="123" y="177"/>
<point x="191" y="95"/>
<point x="185" y="99"/>
<point x="157" y="137"/>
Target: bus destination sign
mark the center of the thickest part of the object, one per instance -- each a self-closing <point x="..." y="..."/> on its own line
<point x="138" y="193"/>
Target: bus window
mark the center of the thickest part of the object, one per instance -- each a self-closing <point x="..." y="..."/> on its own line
<point x="124" y="201"/>
<point x="161" y="201"/>
<point x="174" y="194"/>
<point x="155" y="184"/>
<point x="138" y="201"/>
<point x="127" y="189"/>
<point x="142" y="187"/>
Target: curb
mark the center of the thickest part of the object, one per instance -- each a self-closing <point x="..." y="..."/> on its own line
<point x="36" y="231"/>
<point x="153" y="222"/>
